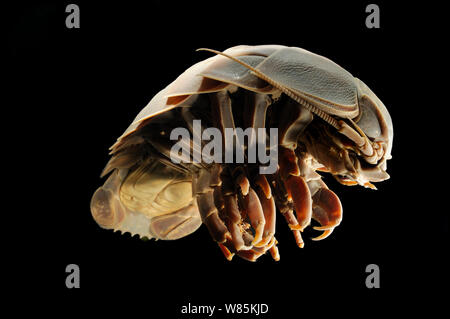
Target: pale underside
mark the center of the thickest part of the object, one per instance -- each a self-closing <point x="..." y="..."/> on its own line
<point x="148" y="195"/>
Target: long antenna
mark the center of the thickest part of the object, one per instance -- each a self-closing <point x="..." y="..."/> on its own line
<point x="289" y="92"/>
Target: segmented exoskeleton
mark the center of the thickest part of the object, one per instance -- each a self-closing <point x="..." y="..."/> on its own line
<point x="326" y="120"/>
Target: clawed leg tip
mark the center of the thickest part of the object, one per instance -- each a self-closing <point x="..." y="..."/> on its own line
<point x="329" y="227"/>
<point x="370" y="185"/>
<point x="324" y="235"/>
<point x="274" y="253"/>
<point x="226" y="252"/>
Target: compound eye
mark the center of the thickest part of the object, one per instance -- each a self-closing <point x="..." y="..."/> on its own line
<point x="368" y="120"/>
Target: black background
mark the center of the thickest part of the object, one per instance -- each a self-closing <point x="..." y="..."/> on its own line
<point x="77" y="90"/>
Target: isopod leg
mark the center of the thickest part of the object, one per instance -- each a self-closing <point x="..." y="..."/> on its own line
<point x="210" y="217"/>
<point x="233" y="220"/>
<point x="231" y="214"/>
<point x="299" y="192"/>
<point x="226" y="252"/>
<point x="204" y="186"/>
<point x="274" y="252"/>
<point x="269" y="210"/>
<point x="292" y="222"/>
<point x="283" y="203"/>
<point x="327" y="211"/>
<point x="296" y="187"/>
<point x="254" y="210"/>
<point x="239" y="241"/>
<point x="259" y="208"/>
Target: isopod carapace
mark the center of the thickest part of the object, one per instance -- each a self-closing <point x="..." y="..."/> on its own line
<point x="326" y="120"/>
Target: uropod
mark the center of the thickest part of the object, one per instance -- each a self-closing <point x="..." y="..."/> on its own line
<point x="326" y="121"/>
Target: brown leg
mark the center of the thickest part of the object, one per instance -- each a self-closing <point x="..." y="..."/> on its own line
<point x="283" y="204"/>
<point x="269" y="209"/>
<point x="296" y="187"/>
<point x="253" y="209"/>
<point x="327" y="211"/>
